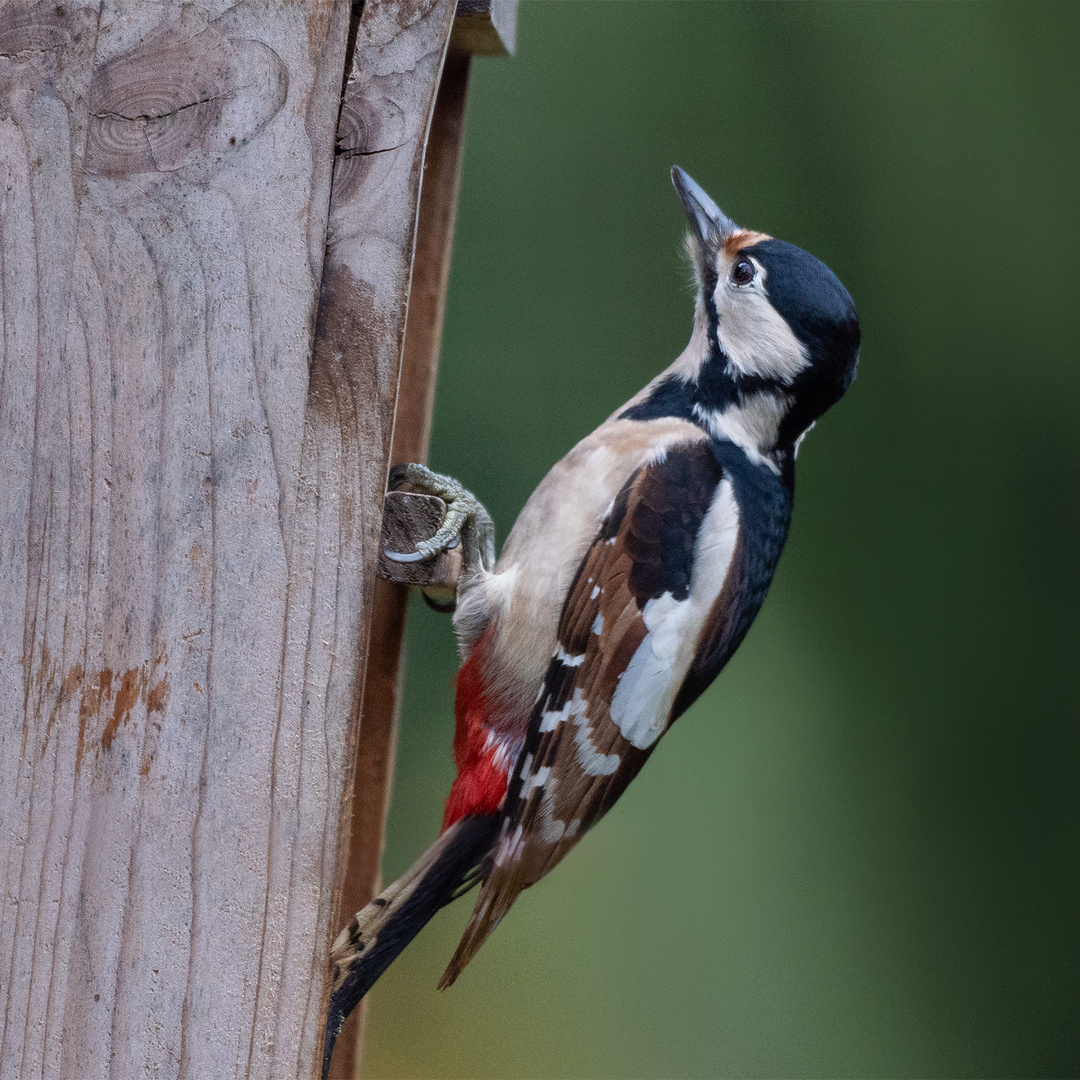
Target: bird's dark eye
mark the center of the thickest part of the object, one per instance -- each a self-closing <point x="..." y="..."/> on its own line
<point x="742" y="273"/>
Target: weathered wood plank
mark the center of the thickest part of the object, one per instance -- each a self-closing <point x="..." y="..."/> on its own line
<point x="170" y="771"/>
<point x="189" y="551"/>
<point x="383" y="130"/>
<point x="412" y="428"/>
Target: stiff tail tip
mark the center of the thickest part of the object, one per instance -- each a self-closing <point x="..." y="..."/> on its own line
<point x="375" y="936"/>
<point x="497" y="895"/>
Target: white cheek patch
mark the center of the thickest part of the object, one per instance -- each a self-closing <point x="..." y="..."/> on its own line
<point x="643" y="699"/>
<point x="753" y="334"/>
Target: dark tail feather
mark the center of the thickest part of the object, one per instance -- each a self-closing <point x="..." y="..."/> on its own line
<point x="371" y="942"/>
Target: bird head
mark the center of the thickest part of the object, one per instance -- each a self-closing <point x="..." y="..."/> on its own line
<point x="777" y="334"/>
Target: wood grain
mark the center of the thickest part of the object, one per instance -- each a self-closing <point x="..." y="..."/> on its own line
<point x="187" y="547"/>
<point x="383" y="129"/>
<point x="412" y="429"/>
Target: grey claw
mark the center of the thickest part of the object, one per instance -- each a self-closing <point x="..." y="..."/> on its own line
<point x="397" y="556"/>
<point x="466" y="522"/>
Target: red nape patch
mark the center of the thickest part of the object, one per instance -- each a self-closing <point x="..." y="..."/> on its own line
<point x="480" y="786"/>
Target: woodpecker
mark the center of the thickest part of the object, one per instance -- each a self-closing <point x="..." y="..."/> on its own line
<point x="630" y="577"/>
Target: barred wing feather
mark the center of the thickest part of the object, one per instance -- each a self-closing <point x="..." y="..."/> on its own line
<point x="644" y="597"/>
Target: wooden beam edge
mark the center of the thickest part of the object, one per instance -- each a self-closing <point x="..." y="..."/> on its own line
<point x="485" y="27"/>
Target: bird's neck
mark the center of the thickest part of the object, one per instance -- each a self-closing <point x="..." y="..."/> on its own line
<point x="752" y="424"/>
<point x="703" y="386"/>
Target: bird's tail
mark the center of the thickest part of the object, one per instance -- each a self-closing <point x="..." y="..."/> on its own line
<point x="373" y="939"/>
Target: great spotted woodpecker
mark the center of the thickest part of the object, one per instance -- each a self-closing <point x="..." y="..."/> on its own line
<point x="631" y="576"/>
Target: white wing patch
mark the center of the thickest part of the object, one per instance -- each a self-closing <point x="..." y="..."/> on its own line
<point x="636" y="707"/>
<point x="589" y="757"/>
<point x="551" y="829"/>
<point x="566" y="659"/>
<point x="534" y="780"/>
<point x="642" y="701"/>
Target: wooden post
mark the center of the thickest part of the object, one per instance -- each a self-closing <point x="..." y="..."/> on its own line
<point x="188" y="550"/>
<point x="486" y="28"/>
<point x="382" y="692"/>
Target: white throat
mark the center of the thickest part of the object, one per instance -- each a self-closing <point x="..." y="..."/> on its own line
<point x="754" y="426"/>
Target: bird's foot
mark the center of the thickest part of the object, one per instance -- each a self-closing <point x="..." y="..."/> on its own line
<point x="466" y="521"/>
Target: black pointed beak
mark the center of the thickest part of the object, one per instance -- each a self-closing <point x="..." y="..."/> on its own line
<point x="709" y="222"/>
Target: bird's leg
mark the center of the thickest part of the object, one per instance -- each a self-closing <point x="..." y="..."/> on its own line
<point x="466" y="521"/>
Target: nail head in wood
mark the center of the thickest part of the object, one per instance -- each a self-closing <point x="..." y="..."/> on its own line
<point x="409" y="518"/>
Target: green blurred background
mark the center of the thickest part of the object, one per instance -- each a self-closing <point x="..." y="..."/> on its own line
<point x="859" y="853"/>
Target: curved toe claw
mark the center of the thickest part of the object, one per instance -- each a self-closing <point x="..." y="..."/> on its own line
<point x="426" y="549"/>
<point x="466" y="522"/>
<point x="397" y="556"/>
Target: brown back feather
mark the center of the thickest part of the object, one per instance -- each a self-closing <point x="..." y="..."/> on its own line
<point x="643" y="549"/>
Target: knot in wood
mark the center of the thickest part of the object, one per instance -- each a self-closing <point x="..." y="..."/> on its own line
<point x="370" y="128"/>
<point x="42" y="46"/>
<point x="178" y="100"/>
<point x="30" y="30"/>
